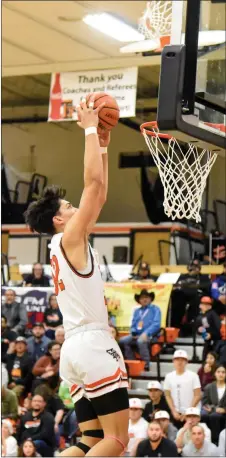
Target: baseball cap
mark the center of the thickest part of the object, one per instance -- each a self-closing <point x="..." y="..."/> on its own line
<point x="154" y="386"/>
<point x="161" y="414"/>
<point x="206" y="300"/>
<point x="21" y="339"/>
<point x="39" y="324"/>
<point x="135" y="403"/>
<point x="180" y="354"/>
<point x="192" y="411"/>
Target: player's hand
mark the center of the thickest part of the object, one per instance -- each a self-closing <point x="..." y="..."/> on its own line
<point x="208" y="337"/>
<point x="104" y="137"/>
<point x="87" y="115"/>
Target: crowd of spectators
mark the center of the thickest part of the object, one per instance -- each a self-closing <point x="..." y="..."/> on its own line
<point x="186" y="414"/>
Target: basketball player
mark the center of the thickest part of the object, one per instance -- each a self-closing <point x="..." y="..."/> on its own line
<point x="91" y="362"/>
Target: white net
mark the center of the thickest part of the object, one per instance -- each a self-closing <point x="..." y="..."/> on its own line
<point x="183" y="174"/>
<point x="156" y="20"/>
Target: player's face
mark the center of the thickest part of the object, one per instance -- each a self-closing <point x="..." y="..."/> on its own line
<point x="66" y="211"/>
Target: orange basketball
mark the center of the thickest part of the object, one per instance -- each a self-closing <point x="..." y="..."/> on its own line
<point x="109" y="114"/>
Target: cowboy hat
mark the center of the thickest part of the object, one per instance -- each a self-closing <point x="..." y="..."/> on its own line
<point x="144" y="292"/>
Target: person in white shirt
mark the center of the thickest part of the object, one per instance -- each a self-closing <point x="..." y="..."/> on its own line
<point x="182" y="387"/>
<point x="222" y="443"/>
<point x="192" y="418"/>
<point x="9" y="443"/>
<point x="198" y="446"/>
<point x="138" y="426"/>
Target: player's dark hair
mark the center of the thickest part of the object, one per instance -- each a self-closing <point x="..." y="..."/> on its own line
<point x="39" y="214"/>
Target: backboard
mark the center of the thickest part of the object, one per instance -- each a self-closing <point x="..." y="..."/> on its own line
<point x="192" y="76"/>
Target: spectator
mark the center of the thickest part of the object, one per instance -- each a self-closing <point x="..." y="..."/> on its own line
<point x="52" y="317"/>
<point x="182" y="387"/>
<point x="144" y="273"/>
<point x="38" y="343"/>
<point x="221" y="351"/>
<point x="214" y="403"/>
<point x="218" y="289"/>
<point x="198" y="446"/>
<point x="54" y="405"/>
<point x="70" y="421"/>
<point x="28" y="449"/>
<point x="9" y="443"/>
<point x="222" y="443"/>
<point x="9" y="403"/>
<point x="156" y="444"/>
<point x="138" y="427"/>
<point x="192" y="418"/>
<point x="169" y="430"/>
<point x="19" y="366"/>
<point x="37" y="277"/>
<point x="15" y="313"/>
<point x="60" y="335"/>
<point x="146" y="322"/>
<point x="157" y="401"/>
<point x="209" y="325"/>
<point x="38" y="425"/>
<point x="207" y="370"/>
<point x="8" y="338"/>
<point x="186" y="297"/>
<point x="47" y="367"/>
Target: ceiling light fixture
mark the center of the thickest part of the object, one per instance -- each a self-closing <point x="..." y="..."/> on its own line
<point x="206" y="38"/>
<point x="113" y="27"/>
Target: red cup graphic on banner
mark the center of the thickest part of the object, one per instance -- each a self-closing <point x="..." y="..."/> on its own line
<point x="56" y="99"/>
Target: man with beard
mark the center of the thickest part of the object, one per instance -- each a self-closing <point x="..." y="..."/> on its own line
<point x="156" y="444"/>
<point x="38" y="343"/>
<point x="38" y="425"/>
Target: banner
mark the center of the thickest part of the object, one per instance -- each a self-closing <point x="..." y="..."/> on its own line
<point x="121" y="303"/>
<point x="35" y="300"/>
<point x="119" y="300"/>
<point x="67" y="89"/>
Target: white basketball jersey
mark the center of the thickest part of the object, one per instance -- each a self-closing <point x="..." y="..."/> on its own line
<point x="80" y="296"/>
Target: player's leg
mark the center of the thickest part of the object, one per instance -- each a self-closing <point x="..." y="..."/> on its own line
<point x="89" y="426"/>
<point x="113" y="413"/>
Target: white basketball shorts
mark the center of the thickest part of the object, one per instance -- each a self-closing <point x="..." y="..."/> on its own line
<point x="91" y="363"/>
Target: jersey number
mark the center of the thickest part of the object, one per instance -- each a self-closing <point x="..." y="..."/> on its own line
<point x="59" y="284"/>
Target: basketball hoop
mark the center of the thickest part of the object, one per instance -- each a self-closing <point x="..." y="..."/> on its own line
<point x="155" y="24"/>
<point x="183" y="169"/>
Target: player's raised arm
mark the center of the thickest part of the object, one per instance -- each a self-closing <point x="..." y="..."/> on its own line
<point x="104" y="140"/>
<point x="77" y="227"/>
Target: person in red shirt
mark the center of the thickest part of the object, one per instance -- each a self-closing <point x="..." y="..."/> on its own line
<point x="206" y="371"/>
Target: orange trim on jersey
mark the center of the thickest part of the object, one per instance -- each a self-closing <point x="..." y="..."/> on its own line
<point x="71" y="266"/>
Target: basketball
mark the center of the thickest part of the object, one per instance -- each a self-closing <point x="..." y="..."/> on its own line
<point x="109" y="114"/>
